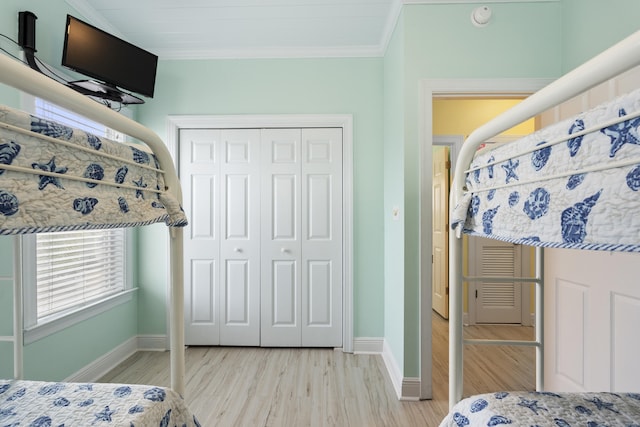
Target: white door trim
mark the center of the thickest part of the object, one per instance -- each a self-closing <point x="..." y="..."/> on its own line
<point x="427" y="89"/>
<point x="344" y="121"/>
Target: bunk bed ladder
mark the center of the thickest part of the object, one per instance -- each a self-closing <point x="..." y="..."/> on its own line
<point x="537" y="342"/>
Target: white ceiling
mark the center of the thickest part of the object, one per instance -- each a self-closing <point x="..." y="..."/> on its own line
<point x="193" y="29"/>
<point x="185" y="29"/>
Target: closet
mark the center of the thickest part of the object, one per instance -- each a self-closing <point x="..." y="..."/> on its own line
<point x="263" y="249"/>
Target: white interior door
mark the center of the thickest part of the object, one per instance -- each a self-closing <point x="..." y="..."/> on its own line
<point x="322" y="238"/>
<point x="200" y="171"/>
<point x="440" y="233"/>
<point x="281" y="308"/>
<point x="220" y="176"/>
<point x="495" y="301"/>
<point x="302" y="237"/>
<point x="240" y="237"/>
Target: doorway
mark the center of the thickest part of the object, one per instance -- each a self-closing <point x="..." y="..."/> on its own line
<point x="484" y="302"/>
<point x="428" y="89"/>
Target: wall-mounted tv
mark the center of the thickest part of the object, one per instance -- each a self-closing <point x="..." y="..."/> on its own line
<point x="115" y="63"/>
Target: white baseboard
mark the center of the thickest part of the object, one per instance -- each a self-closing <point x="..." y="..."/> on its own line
<point x="152" y="342"/>
<point x="368" y="345"/>
<point x="393" y="369"/>
<point x="410" y="389"/>
<point x="101" y="366"/>
<point x="406" y="388"/>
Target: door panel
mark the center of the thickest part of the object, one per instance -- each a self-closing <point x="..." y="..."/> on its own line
<point x="222" y="244"/>
<point x="240" y="240"/>
<point x="202" y="298"/>
<point x="199" y="168"/>
<point x="322" y="238"/>
<point x="440" y="194"/>
<point x="281" y="245"/>
<point x="285" y="296"/>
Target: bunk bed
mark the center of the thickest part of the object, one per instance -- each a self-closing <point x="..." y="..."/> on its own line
<point x="560" y="187"/>
<point x="53" y="178"/>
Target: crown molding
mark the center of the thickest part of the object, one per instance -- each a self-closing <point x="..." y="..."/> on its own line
<point x="272" y="53"/>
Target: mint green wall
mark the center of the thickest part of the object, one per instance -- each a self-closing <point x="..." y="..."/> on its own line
<point x="591" y="26"/>
<point x="286" y="86"/>
<point x="439" y="41"/>
<point x="394" y="230"/>
<point x="151" y="259"/>
<point x="64" y="353"/>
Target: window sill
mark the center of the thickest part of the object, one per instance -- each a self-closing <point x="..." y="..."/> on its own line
<point x="67" y="320"/>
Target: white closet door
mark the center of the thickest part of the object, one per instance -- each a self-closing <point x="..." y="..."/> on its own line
<point x="220" y="175"/>
<point x="321" y="237"/>
<point x="199" y="171"/>
<point x="240" y="237"/>
<point x="281" y="243"/>
<point x="302" y="238"/>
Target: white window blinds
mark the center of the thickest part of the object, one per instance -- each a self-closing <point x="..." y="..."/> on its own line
<point x="49" y="111"/>
<point x="77" y="268"/>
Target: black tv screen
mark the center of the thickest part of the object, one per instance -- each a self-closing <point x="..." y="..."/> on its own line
<point x="102" y="56"/>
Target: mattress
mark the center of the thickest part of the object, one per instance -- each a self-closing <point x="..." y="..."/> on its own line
<point x="546" y="409"/>
<point x="43" y="404"/>
<point x="574" y="184"/>
<point x="57" y="178"/>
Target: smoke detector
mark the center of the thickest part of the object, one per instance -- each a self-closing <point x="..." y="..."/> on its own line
<point x="480" y="16"/>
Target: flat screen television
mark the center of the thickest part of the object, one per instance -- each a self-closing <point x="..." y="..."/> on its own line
<point x="115" y="63"/>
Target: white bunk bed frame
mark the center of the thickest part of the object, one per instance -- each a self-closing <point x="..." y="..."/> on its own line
<point x="610" y="63"/>
<point x="18" y="76"/>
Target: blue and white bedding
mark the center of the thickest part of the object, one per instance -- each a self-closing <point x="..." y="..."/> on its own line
<point x="56" y="178"/>
<point x="575" y="184"/>
<point x="44" y="404"/>
<point x="546" y="409"/>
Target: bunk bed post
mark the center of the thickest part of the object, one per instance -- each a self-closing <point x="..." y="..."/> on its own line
<point x="455" y="318"/>
<point x="539" y="321"/>
<point x="177" y="311"/>
<point x="18" y="319"/>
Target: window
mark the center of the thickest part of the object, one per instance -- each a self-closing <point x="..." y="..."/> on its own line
<point x="76" y="268"/>
<point x="70" y="275"/>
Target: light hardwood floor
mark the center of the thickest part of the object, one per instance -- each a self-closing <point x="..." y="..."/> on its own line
<point x="231" y="386"/>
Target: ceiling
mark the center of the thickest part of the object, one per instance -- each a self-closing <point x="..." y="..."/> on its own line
<point x="190" y="29"/>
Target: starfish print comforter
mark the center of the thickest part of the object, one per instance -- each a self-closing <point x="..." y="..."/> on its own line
<point x="574" y="184"/>
<point x="546" y="409"/>
<point x="39" y="403"/>
<point x="57" y="178"/>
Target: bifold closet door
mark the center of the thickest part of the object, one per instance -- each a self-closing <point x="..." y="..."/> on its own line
<point x="301" y="238"/>
<point x="220" y="173"/>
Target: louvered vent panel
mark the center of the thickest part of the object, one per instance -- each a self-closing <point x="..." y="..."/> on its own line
<point x="498" y="262"/>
